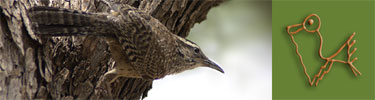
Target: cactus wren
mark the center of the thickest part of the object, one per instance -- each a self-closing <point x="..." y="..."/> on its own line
<point x="141" y="46"/>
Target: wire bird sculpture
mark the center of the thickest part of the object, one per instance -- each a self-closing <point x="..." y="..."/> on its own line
<point x="329" y="60"/>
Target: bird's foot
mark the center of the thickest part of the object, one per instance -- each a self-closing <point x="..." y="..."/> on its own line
<point x="350" y="61"/>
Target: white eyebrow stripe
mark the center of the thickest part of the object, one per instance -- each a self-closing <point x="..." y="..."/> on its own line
<point x="188" y="42"/>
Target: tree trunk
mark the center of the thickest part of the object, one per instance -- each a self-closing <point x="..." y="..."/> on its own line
<point x="34" y="67"/>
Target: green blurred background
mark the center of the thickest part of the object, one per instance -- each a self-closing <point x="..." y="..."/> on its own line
<point x="339" y="20"/>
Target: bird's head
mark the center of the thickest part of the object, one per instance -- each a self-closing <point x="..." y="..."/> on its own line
<point x="192" y="56"/>
<point x="311" y="26"/>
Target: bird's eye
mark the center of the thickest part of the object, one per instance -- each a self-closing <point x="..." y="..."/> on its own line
<point x="196" y="50"/>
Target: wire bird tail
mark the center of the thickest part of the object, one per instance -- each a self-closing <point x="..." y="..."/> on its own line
<point x="63" y="22"/>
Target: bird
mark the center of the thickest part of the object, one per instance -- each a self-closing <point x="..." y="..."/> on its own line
<point x="328" y="60"/>
<point x="141" y="46"/>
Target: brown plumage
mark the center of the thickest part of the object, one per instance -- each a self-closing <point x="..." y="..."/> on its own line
<point x="141" y="46"/>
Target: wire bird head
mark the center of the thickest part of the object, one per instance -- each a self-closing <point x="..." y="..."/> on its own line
<point x="191" y="56"/>
<point x="309" y="19"/>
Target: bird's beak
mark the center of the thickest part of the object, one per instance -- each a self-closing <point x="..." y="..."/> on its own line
<point x="298" y="26"/>
<point x="213" y="65"/>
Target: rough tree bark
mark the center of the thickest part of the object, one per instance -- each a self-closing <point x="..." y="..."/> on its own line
<point x="33" y="67"/>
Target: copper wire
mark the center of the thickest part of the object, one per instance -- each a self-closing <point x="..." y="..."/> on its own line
<point x="319" y="76"/>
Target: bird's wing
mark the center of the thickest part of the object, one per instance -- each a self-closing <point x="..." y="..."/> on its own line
<point x="139" y="41"/>
<point x="147" y="42"/>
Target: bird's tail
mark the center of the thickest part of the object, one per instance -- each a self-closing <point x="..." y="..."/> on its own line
<point x="63" y="22"/>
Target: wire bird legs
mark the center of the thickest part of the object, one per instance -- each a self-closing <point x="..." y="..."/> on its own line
<point x="329" y="60"/>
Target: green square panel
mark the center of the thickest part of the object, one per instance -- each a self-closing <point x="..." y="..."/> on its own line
<point x="339" y="19"/>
